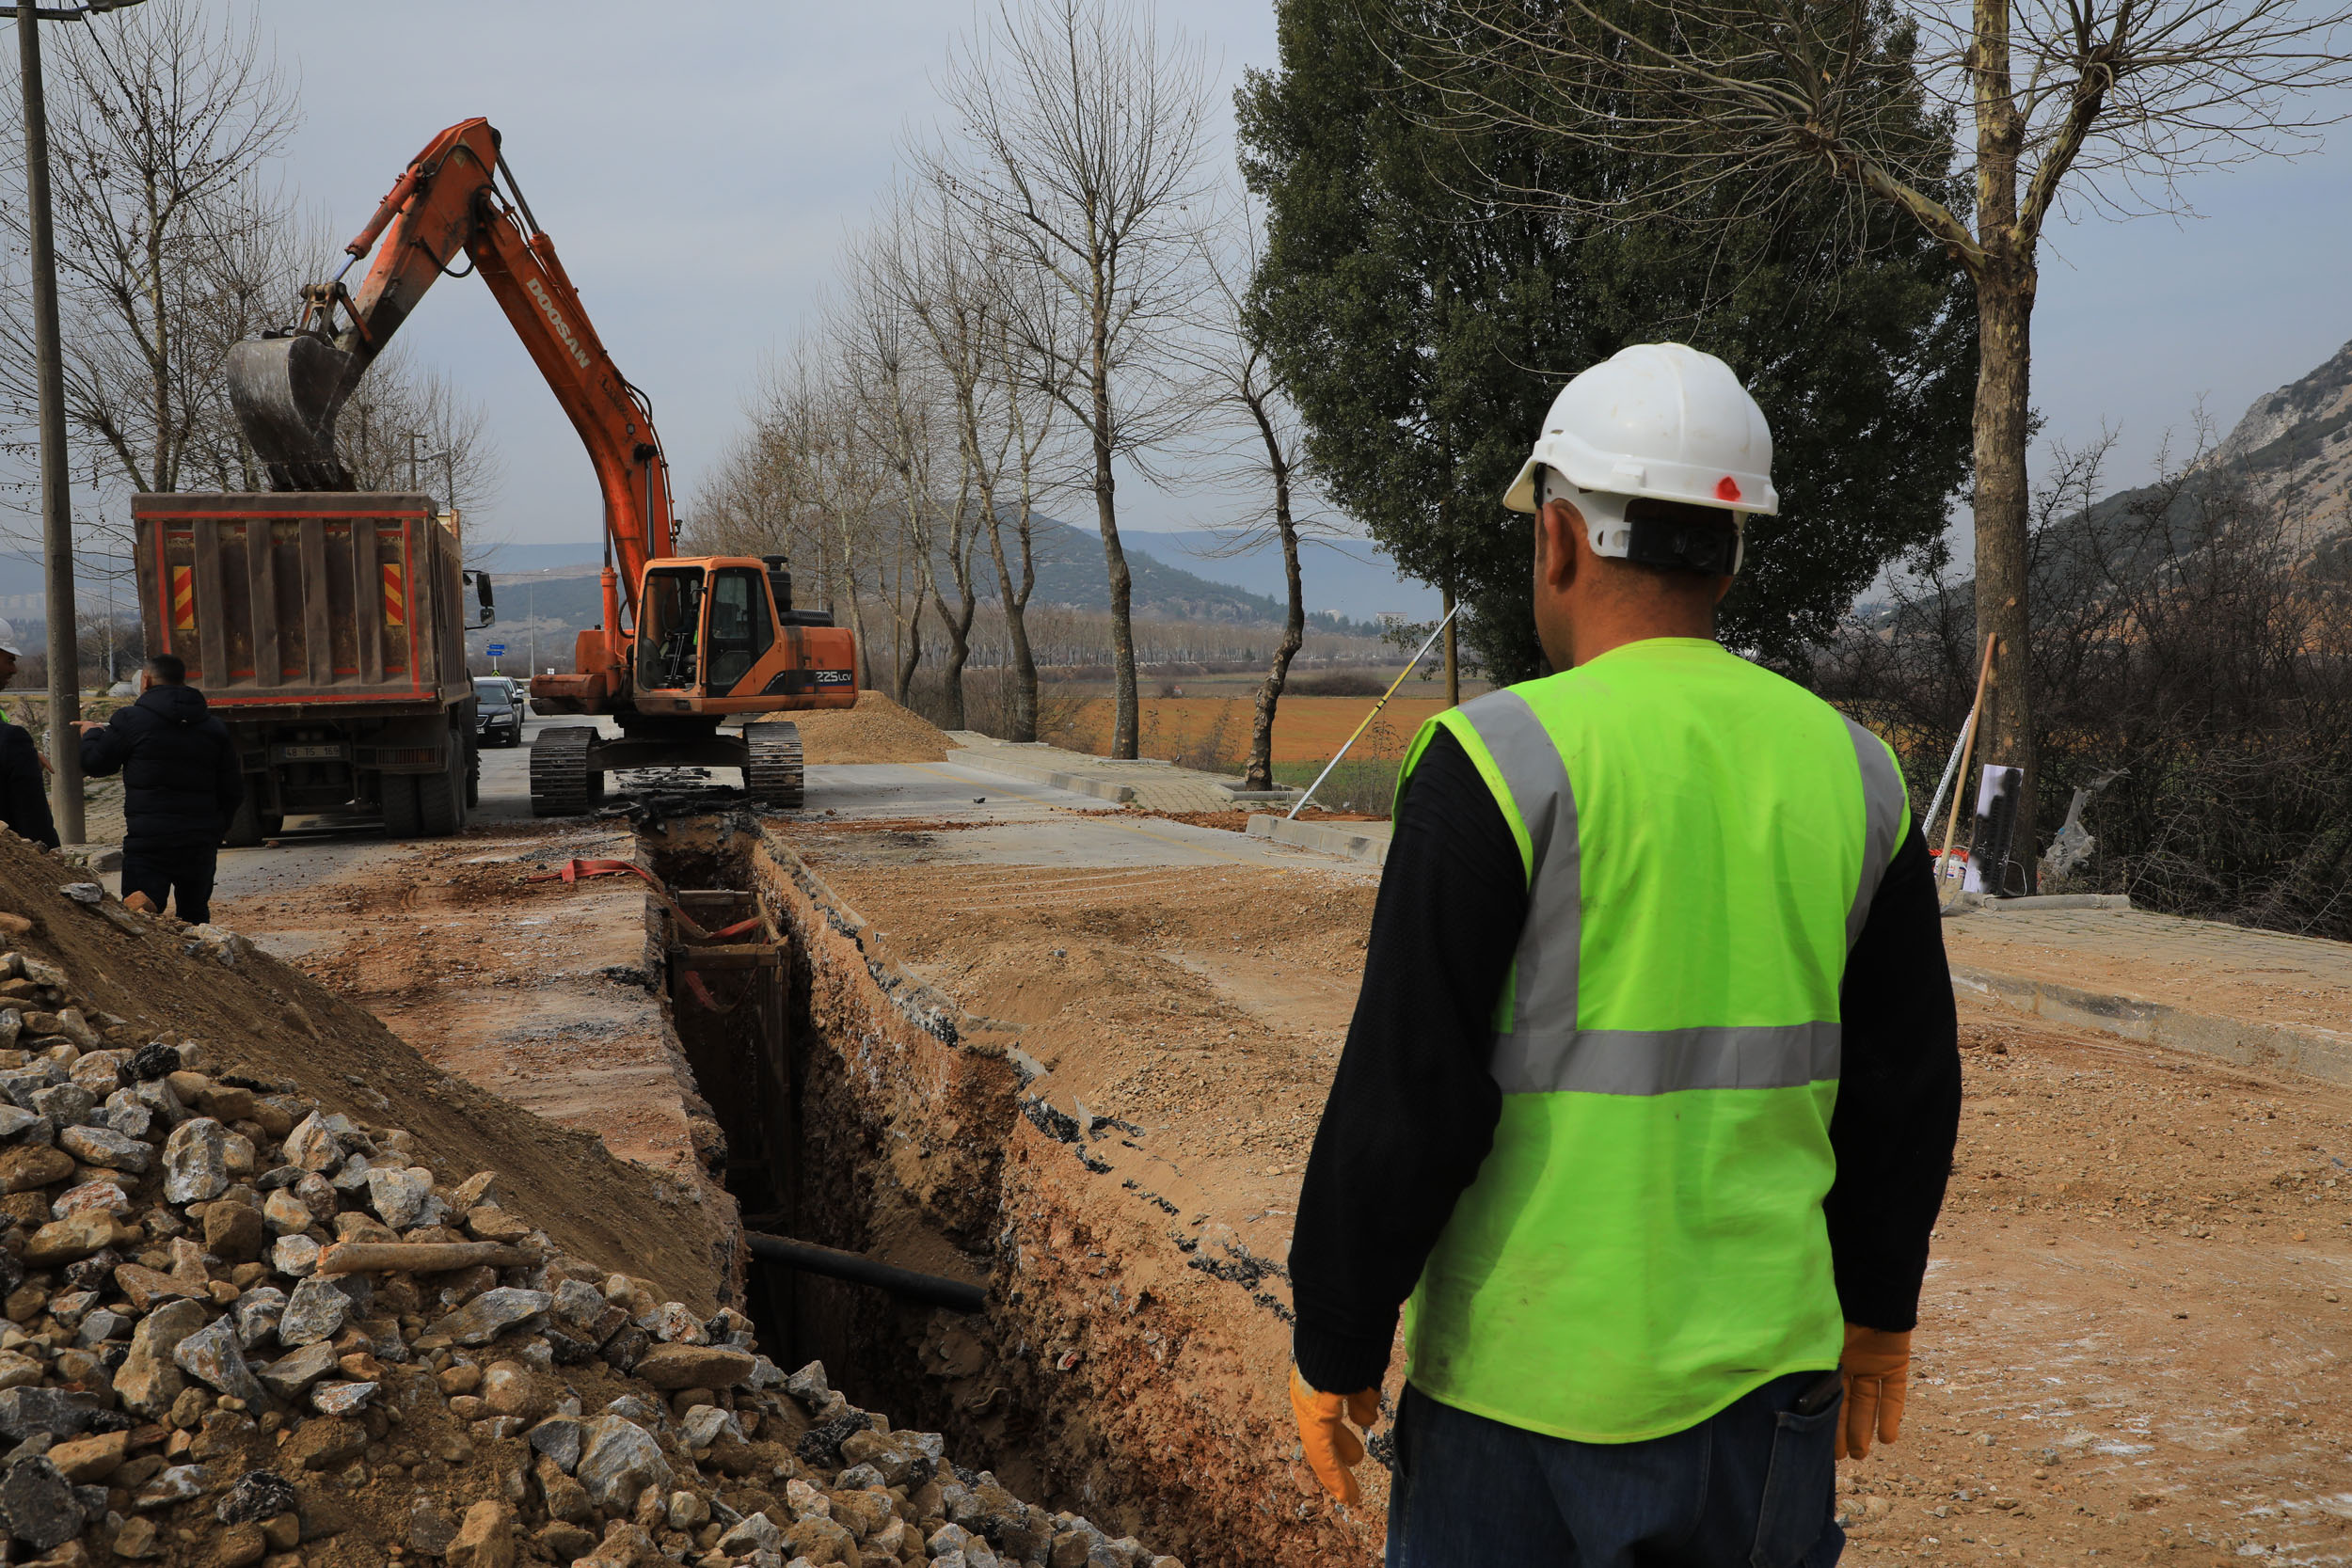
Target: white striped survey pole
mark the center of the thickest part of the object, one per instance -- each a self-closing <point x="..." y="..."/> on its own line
<point x="1951" y="765"/>
<point x="1411" y="665"/>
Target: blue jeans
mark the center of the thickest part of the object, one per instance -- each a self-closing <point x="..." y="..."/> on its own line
<point x="1754" y="1484"/>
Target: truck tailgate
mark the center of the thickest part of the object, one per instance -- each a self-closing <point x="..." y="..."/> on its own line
<point x="304" y="597"/>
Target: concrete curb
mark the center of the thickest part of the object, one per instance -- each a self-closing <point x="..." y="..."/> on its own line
<point x="1332" y="838"/>
<point x="1102" y="789"/>
<point x="1977" y="903"/>
<point x="2323" y="1055"/>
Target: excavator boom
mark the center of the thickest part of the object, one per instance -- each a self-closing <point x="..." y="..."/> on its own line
<point x="289" y="388"/>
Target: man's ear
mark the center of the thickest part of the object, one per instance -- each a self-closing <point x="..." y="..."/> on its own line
<point x="1560" y="525"/>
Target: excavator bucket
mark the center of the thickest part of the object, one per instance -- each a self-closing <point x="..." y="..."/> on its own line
<point x="286" y="392"/>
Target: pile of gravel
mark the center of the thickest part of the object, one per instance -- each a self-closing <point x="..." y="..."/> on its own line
<point x="241" y="1328"/>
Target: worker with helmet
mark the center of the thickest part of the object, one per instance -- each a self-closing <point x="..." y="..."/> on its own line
<point x="1653" y="1083"/>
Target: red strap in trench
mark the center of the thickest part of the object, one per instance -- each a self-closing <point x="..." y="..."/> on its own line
<point x="574" y="870"/>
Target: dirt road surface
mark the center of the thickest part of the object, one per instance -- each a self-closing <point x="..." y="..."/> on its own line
<point x="533" y="990"/>
<point x="2135" y="1326"/>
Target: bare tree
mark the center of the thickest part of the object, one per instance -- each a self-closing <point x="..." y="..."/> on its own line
<point x="803" y="483"/>
<point x="1262" y="445"/>
<point x="958" y="285"/>
<point x="897" y="410"/>
<point x="412" y="430"/>
<point x="169" y="236"/>
<point x="1737" y="106"/>
<point x="1032" y="387"/>
<point x="922" y="259"/>
<point x="1086" y="134"/>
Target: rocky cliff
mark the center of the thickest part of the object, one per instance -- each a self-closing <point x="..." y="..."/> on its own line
<point x="2294" y="446"/>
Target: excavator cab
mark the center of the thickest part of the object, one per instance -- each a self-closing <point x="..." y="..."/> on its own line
<point x="669" y="631"/>
<point x="711" y="639"/>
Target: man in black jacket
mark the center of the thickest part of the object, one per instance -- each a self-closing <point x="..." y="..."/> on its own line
<point x="179" y="787"/>
<point x="23" y="786"/>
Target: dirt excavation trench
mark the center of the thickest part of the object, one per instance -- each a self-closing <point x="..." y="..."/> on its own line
<point x="1085" y="1082"/>
<point x="866" y="1110"/>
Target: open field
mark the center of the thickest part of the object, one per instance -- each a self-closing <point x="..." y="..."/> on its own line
<point x="1206" y="731"/>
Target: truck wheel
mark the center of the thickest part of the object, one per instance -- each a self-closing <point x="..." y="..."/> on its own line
<point x="772" y="769"/>
<point x="442" y="797"/>
<point x="272" y="823"/>
<point x="244" y="827"/>
<point x="473" y="773"/>
<point x="562" y="782"/>
<point x="400" y="804"/>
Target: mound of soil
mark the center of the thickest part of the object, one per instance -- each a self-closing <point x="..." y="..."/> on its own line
<point x="270" y="1020"/>
<point x="876" y="730"/>
<point x="243" y="1324"/>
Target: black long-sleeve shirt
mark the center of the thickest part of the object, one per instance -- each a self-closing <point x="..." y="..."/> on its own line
<point x="1413" y="1108"/>
<point x="23" y="789"/>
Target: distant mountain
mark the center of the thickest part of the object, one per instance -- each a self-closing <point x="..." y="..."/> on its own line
<point x="1240" y="589"/>
<point x="1350" y="578"/>
<point x="558" y="582"/>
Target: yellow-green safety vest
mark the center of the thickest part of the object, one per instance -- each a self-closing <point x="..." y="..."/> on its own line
<point x="1646" y="1243"/>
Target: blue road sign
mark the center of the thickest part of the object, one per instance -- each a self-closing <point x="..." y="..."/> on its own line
<point x="495" y="649"/>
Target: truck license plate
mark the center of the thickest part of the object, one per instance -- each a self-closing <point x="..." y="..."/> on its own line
<point x="312" y="754"/>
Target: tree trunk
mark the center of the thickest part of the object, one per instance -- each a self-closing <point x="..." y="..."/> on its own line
<point x="958" y="624"/>
<point x="1126" y="720"/>
<point x="951" y="679"/>
<point x="1024" y="715"/>
<point x="864" y="646"/>
<point x="2005" y="319"/>
<point x="1021" y="715"/>
<point x="1260" y="774"/>
<point x="908" y="655"/>
<point x="1452" y="660"/>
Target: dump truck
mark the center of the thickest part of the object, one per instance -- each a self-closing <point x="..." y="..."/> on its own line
<point x="327" y="630"/>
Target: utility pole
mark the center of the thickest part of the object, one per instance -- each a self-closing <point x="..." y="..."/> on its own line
<point x="57" y="495"/>
<point x="414" y="437"/>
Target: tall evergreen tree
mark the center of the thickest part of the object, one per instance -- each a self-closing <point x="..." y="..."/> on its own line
<point x="1424" y="319"/>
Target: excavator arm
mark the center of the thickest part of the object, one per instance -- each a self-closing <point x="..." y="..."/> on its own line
<point x="288" y="388"/>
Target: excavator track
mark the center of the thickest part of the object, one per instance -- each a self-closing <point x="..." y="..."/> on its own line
<point x="772" y="769"/>
<point x="562" y="782"/>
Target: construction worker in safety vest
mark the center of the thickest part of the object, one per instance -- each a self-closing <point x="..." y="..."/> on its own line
<point x="1653" y="1083"/>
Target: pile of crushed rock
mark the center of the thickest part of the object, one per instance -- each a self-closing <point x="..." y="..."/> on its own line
<point x="241" y="1328"/>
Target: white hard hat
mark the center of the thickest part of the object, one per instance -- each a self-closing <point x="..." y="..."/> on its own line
<point x="1659" y="420"/>
<point x="9" y="643"/>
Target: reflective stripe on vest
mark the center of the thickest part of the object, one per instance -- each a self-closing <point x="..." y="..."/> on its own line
<point x="1702" y="841"/>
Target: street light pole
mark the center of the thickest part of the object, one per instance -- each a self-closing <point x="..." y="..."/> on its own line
<point x="56" y="496"/>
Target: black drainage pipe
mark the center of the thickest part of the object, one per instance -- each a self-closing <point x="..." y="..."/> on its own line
<point x="808" y="1257"/>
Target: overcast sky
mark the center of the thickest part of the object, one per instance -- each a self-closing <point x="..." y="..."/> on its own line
<point x="698" y="163"/>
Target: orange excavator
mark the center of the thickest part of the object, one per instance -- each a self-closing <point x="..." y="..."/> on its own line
<point x="686" y="644"/>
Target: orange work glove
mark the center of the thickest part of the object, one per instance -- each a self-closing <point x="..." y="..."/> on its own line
<point x="1332" y="1451"/>
<point x="1877" y="1365"/>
